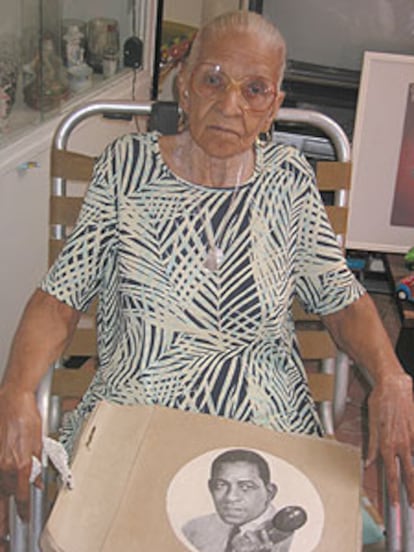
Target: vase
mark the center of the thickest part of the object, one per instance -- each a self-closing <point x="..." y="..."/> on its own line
<point x="48" y="84"/>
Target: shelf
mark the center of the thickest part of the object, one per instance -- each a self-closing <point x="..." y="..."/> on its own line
<point x="23" y="118"/>
<point x="55" y="55"/>
<point x="36" y="135"/>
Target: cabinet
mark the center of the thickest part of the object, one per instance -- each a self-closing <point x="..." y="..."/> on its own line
<point x="24" y="172"/>
<point x="53" y="52"/>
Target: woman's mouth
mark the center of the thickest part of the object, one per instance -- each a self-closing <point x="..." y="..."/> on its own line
<point x="225" y="130"/>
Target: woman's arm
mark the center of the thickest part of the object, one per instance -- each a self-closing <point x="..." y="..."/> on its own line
<point x="43" y="333"/>
<point x="358" y="331"/>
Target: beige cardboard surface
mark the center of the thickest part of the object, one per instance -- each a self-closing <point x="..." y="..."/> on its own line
<point x="141" y="472"/>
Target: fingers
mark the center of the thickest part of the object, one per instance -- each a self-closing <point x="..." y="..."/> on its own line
<point x="373" y="446"/>
<point x="20" y="438"/>
<point x="392" y="476"/>
<point x="407" y="468"/>
<point x="23" y="509"/>
<point x="15" y="475"/>
<point x="374" y="436"/>
<point x="391" y="433"/>
<point x="399" y="471"/>
<point x="7" y="483"/>
<point x="398" y="466"/>
<point x="18" y="484"/>
<point x="22" y="492"/>
<point x="38" y="483"/>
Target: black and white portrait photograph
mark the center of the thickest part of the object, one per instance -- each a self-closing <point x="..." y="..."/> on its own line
<point x="244" y="500"/>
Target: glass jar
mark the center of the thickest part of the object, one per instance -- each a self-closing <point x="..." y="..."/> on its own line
<point x="49" y="85"/>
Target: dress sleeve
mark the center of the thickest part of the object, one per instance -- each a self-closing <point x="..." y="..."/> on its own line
<point x="78" y="272"/>
<point x="324" y="282"/>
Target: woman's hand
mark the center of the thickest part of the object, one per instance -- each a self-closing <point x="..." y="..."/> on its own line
<point x="42" y="335"/>
<point x="358" y="331"/>
<point x="20" y="439"/>
<point x="391" y="432"/>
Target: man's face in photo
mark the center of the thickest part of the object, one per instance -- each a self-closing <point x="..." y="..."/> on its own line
<point x="239" y="493"/>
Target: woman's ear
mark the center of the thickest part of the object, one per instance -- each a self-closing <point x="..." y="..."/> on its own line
<point x="273" y="111"/>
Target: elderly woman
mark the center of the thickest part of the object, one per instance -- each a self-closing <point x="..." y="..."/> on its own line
<point x="197" y="244"/>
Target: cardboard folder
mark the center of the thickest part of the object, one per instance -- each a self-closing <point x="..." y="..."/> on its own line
<point x="141" y="474"/>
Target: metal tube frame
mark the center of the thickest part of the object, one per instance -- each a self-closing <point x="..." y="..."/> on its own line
<point x="339" y="366"/>
<point x="331" y="414"/>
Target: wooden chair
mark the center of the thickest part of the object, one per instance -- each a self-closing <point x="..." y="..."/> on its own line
<point x="315" y="342"/>
<point x="316" y="346"/>
<point x="328" y="377"/>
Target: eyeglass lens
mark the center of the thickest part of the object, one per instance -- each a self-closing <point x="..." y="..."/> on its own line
<point x="211" y="80"/>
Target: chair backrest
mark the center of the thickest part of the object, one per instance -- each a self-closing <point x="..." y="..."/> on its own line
<point x="68" y="166"/>
<point x="316" y="346"/>
<point x="314" y="341"/>
<point x="63" y="212"/>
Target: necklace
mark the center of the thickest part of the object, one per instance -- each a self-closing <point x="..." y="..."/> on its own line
<point x="215" y="254"/>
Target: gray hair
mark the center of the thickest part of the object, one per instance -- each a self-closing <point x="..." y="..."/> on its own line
<point x="243" y="21"/>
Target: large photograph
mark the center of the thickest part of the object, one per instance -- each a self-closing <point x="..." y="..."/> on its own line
<point x="403" y="205"/>
<point x="380" y="137"/>
<point x="244" y="500"/>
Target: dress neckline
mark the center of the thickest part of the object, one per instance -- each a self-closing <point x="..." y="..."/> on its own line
<point x="258" y="164"/>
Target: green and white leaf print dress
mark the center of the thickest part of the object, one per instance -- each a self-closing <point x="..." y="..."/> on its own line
<point x="171" y="330"/>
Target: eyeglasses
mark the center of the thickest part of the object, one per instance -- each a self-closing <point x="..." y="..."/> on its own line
<point x="210" y="81"/>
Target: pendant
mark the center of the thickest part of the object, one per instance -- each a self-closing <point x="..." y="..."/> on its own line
<point x="214" y="258"/>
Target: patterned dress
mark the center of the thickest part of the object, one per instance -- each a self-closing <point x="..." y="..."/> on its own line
<point x="175" y="330"/>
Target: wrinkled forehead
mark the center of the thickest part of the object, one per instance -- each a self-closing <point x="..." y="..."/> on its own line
<point x="238" y="52"/>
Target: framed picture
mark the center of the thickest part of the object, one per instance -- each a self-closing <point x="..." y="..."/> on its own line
<point x="381" y="215"/>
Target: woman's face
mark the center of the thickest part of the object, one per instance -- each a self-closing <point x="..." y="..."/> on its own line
<point x="224" y="125"/>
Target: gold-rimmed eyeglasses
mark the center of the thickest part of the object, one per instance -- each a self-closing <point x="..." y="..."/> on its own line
<point x="208" y="80"/>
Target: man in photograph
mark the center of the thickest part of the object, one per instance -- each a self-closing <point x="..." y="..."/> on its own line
<point x="245" y="519"/>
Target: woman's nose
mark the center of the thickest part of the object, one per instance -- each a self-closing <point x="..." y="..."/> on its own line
<point x="231" y="100"/>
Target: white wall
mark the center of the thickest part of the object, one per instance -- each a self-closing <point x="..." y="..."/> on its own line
<point x="184" y="11"/>
<point x="212" y="8"/>
<point x="193" y="12"/>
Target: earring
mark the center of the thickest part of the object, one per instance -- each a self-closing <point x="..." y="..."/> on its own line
<point x="185" y="93"/>
<point x="182" y="120"/>
<point x="265" y="137"/>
